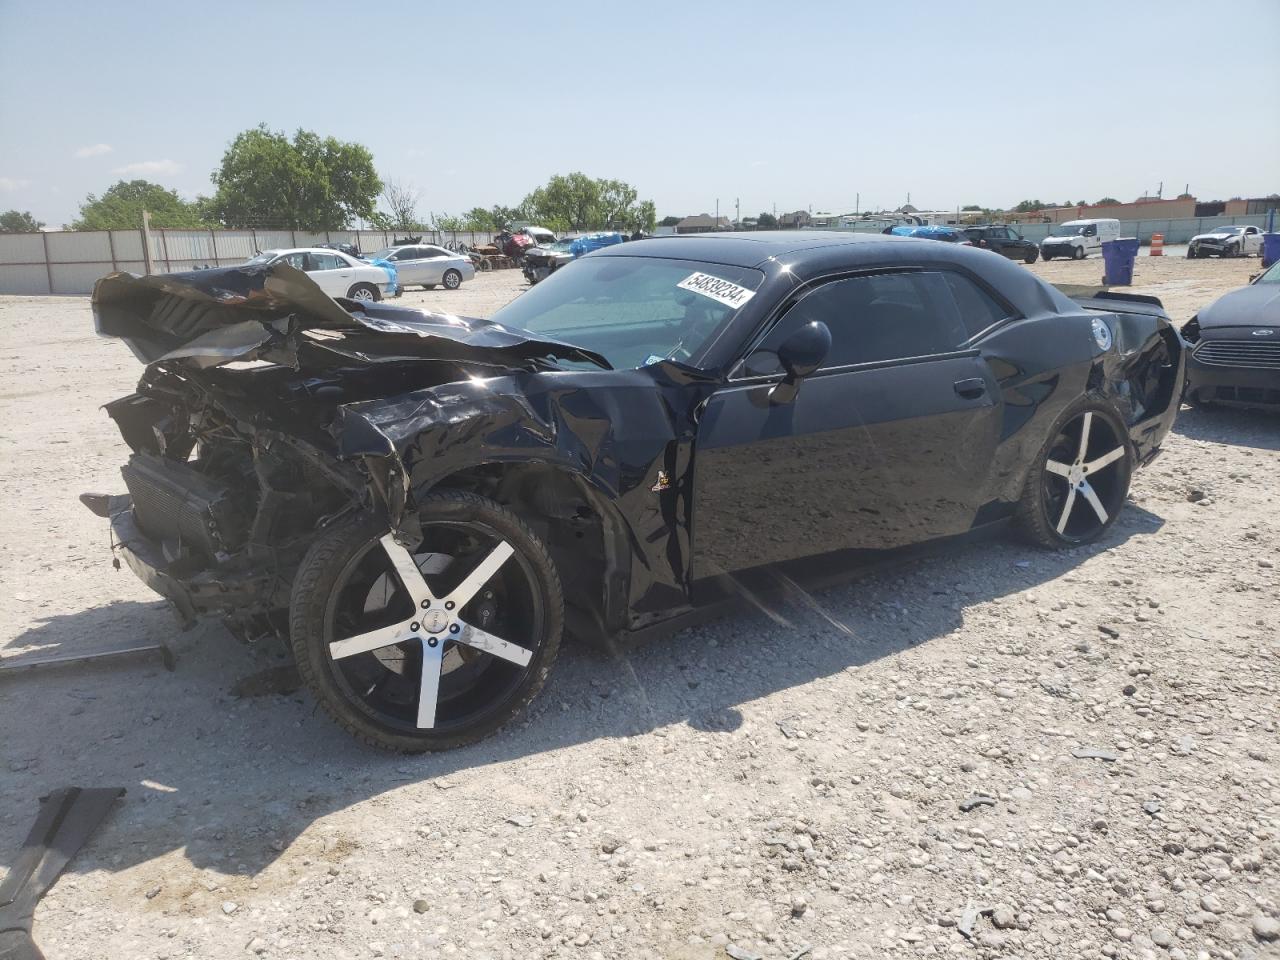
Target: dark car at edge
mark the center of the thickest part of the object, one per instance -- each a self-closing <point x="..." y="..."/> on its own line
<point x="422" y="504"/>
<point x="1004" y="240"/>
<point x="1235" y="347"/>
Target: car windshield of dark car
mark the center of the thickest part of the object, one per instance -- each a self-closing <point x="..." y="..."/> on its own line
<point x="1272" y="275"/>
<point x="634" y="310"/>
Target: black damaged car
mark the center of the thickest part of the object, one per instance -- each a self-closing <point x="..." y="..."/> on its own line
<point x="425" y="504"/>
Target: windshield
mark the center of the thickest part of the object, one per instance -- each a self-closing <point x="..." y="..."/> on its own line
<point x="265" y="256"/>
<point x="1064" y="230"/>
<point x="383" y="254"/>
<point x="1227" y="230"/>
<point x="634" y="310"/>
<point x="560" y="246"/>
<point x="1272" y="275"/>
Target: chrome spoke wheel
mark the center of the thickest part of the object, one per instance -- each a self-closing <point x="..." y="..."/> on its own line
<point x="439" y="639"/>
<point x="1085" y="477"/>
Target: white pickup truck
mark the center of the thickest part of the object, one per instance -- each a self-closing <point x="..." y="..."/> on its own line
<point x="1226" y="242"/>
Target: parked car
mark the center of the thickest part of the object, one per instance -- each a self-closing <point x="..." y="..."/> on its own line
<point x="946" y="234"/>
<point x="1235" y="347"/>
<point x="1226" y="242"/>
<point x="429" y="265"/>
<point x="1076" y="239"/>
<point x="336" y="273"/>
<point x="350" y="249"/>
<point x="1004" y="240"/>
<point x="429" y="501"/>
<point x="541" y="261"/>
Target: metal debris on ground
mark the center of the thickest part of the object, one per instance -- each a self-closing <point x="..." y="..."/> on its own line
<point x="738" y="953"/>
<point x="67" y="818"/>
<point x="977" y="800"/>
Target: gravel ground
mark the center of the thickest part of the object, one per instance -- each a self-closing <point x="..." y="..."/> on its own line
<point x="861" y="772"/>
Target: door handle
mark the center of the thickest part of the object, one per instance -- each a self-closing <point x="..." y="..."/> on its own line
<point x="971" y="389"/>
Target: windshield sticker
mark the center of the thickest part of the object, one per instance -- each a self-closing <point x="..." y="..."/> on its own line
<point x="652" y="359"/>
<point x="730" y="294"/>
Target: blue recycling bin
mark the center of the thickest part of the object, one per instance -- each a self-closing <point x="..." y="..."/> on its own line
<point x="1117" y="261"/>
<point x="1270" y="249"/>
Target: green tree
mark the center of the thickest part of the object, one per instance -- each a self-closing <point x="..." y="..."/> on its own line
<point x="766" y="221"/>
<point x="575" y="201"/>
<point x="1030" y="206"/>
<point x="1107" y="200"/>
<point x="479" y="219"/>
<point x="504" y="217"/>
<point x="970" y="208"/>
<point x="308" y="183"/>
<point x="14" y="221"/>
<point x="401" y="201"/>
<point x="672" y="221"/>
<point x="120" y="208"/>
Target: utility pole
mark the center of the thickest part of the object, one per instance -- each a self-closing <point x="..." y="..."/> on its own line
<point x="146" y="241"/>
<point x="737" y="212"/>
<point x="857" y="201"/>
<point x="717" y="213"/>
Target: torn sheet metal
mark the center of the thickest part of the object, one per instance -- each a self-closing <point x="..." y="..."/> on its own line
<point x="67" y="818"/>
<point x="218" y="316"/>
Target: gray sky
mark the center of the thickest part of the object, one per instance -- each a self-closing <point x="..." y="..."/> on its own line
<point x="793" y="105"/>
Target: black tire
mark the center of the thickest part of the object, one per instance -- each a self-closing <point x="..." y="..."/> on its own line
<point x="1049" y="512"/>
<point x="1077" y="253"/>
<point x="364" y="291"/>
<point x="1030" y="258"/>
<point x="452" y="279"/>
<point x="489" y="690"/>
<point x="1046" y="257"/>
<point x="1192" y="253"/>
<point x="1232" y="251"/>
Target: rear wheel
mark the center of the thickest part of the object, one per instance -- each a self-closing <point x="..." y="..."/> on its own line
<point x="452" y="279"/>
<point x="1031" y="257"/>
<point x="1077" y="253"/>
<point x="434" y="648"/>
<point x="1046" y="257"/>
<point x="1078" y="483"/>
<point x="364" y="291"/>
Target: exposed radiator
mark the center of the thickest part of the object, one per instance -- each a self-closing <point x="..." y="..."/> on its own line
<point x="173" y="502"/>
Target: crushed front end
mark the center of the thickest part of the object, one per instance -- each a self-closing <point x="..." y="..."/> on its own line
<point x="236" y="426"/>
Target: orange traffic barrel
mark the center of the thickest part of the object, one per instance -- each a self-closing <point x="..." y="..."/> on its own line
<point x="1157" y="245"/>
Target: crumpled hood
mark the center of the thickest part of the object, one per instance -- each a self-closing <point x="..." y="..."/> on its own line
<point x="1253" y="306"/>
<point x="211" y="317"/>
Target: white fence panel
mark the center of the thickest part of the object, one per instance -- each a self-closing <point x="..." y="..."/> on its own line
<point x="80" y="247"/>
<point x="24" y="279"/>
<point x="19" y="248"/>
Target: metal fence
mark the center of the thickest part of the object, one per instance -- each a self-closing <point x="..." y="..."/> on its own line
<point x="69" y="262"/>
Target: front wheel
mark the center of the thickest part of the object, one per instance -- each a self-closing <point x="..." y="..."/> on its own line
<point x="364" y="291"/>
<point x="432" y="648"/>
<point x="1046" y="257"/>
<point x="1078" y="482"/>
<point x="1230" y="252"/>
<point x="452" y="279"/>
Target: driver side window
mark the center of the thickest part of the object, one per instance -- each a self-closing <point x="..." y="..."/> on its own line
<point x="889" y="316"/>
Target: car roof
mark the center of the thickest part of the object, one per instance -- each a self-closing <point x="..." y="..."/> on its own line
<point x="284" y="250"/>
<point x="748" y="249"/>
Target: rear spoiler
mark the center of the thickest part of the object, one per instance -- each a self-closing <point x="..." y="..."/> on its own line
<point x="1083" y="291"/>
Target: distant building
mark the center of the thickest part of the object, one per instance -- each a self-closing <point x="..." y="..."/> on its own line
<point x="798" y="218"/>
<point x="703" y="223"/>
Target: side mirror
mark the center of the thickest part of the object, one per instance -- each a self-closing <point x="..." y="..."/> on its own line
<point x="800" y="355"/>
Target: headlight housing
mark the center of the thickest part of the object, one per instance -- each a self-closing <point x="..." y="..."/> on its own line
<point x="1191" y="330"/>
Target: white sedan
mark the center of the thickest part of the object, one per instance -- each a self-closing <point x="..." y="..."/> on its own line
<point x="429" y="265"/>
<point x="334" y="272"/>
<point x="1226" y="242"/>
